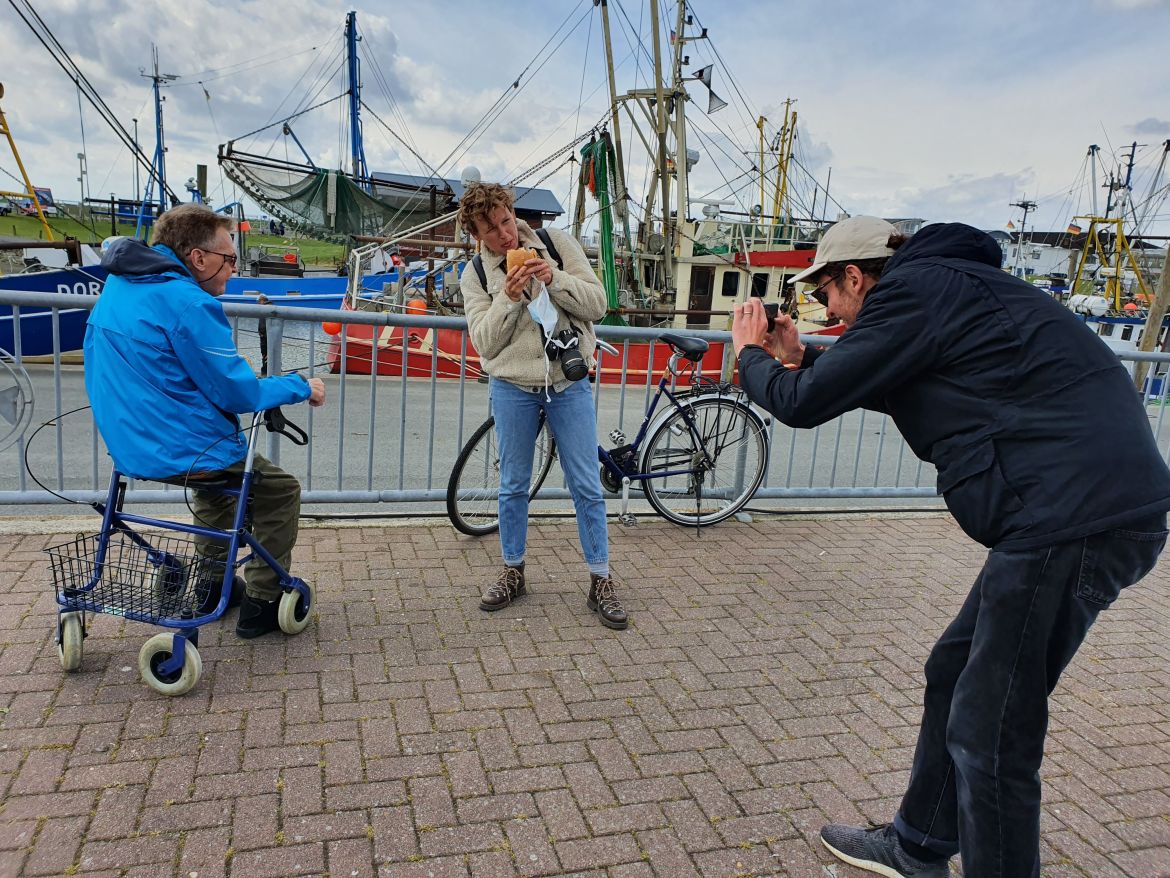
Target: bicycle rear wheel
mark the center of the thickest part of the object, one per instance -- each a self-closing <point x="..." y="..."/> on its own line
<point x="473" y="491"/>
<point x="702" y="492"/>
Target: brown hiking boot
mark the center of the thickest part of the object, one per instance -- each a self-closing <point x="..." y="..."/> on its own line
<point x="509" y="586"/>
<point x="604" y="601"/>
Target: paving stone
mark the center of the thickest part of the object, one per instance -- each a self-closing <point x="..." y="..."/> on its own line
<point x="408" y="734"/>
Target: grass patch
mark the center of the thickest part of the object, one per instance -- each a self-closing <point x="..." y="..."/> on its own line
<point x="313" y="252"/>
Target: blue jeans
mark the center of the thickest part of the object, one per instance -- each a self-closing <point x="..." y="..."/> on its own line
<point x="574" y="427"/>
<point x="975" y="783"/>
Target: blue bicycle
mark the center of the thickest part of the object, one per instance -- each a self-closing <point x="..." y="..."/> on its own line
<point x="698" y="462"/>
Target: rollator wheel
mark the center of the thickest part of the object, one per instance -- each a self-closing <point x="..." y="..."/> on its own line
<point x="293" y="613"/>
<point x="156" y="651"/>
<point x="69" y="646"/>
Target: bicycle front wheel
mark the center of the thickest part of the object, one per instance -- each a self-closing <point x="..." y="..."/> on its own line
<point x="704" y="475"/>
<point x="473" y="491"/>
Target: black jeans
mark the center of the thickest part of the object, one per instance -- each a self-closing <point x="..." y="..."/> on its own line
<point x="975" y="783"/>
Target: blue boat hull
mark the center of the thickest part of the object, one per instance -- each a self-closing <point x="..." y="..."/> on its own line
<point x="36" y="324"/>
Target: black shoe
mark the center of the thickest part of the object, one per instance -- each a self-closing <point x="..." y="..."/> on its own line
<point x="257" y="617"/>
<point x="238" y="592"/>
<point x="509" y="586"/>
<point x="877" y="849"/>
<point x="211" y="592"/>
<point x="604" y="601"/>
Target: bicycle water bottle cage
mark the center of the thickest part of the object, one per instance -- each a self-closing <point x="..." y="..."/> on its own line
<point x="690" y="348"/>
<point x="276" y="422"/>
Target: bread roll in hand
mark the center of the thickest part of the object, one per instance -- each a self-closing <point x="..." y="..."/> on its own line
<point x="519" y="257"/>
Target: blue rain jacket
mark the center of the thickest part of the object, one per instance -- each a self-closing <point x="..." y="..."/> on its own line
<point x="162" y="371"/>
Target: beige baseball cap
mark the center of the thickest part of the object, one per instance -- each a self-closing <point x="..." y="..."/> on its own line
<point x="855" y="238"/>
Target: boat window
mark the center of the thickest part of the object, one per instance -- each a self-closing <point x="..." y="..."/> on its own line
<point x="730" y="283"/>
<point x="1105" y="329"/>
<point x="759" y="284"/>
<point x="1126" y="333"/>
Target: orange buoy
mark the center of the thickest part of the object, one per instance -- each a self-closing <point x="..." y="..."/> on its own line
<point x="416" y="306"/>
<point x="331" y="328"/>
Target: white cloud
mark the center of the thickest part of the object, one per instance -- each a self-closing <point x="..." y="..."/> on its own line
<point x="922" y="108"/>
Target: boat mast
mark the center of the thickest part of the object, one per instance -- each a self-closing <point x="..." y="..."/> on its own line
<point x="621" y="196"/>
<point x="1027" y="206"/>
<point x="29" y="191"/>
<point x="1093" y="149"/>
<point x="679" y="106"/>
<point x="661" y="172"/>
<point x="158" y="166"/>
<point x="784" y="140"/>
<point x="357" y="148"/>
<point x="1155" y="185"/>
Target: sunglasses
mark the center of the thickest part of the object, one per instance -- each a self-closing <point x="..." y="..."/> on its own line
<point x="819" y="295"/>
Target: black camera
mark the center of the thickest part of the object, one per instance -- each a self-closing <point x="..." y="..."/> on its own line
<point x="772" y="309"/>
<point x="566" y="345"/>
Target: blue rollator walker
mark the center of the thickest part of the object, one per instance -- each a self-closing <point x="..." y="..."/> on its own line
<point x="163" y="580"/>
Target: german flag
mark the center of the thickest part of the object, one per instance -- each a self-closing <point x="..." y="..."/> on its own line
<point x="1074" y="229"/>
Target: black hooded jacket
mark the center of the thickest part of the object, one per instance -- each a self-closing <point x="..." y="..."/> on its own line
<point x="1033" y="424"/>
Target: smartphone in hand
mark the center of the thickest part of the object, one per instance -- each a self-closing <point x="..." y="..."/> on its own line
<point x="772" y="309"/>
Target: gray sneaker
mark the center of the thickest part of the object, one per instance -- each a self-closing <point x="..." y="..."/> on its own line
<point x="877" y="849"/>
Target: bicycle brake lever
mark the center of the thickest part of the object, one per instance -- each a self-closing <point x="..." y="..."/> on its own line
<point x="276" y="422"/>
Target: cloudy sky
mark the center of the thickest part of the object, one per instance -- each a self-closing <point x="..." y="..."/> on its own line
<point x="907" y="108"/>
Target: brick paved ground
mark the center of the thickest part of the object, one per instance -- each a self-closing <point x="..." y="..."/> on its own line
<point x="770" y="683"/>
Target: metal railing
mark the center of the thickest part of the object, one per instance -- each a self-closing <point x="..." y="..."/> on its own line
<point x="380" y="442"/>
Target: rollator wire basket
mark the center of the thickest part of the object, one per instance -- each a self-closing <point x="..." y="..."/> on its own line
<point x="164" y="579"/>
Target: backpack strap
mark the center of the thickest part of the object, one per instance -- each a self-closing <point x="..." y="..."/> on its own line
<point x="477" y="264"/>
<point x="546" y="239"/>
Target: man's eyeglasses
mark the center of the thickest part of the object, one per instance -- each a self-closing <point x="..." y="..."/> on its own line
<point x="819" y="295"/>
<point x="228" y="258"/>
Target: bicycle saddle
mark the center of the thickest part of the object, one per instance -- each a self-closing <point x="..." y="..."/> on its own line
<point x="691" y="348"/>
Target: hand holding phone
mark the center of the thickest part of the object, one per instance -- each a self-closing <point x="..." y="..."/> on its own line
<point x="772" y="309"/>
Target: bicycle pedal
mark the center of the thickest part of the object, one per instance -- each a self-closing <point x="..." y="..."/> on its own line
<point x="627" y="519"/>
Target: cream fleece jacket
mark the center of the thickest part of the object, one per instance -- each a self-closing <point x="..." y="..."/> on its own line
<point x="510" y="343"/>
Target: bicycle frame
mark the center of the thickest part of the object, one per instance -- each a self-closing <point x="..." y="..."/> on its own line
<point x="621" y="475"/>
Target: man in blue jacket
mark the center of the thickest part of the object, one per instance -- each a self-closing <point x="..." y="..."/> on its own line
<point x="166" y="384"/>
<point x="1013" y="399"/>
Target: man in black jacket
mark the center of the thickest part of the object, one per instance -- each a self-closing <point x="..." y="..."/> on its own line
<point x="1016" y="403"/>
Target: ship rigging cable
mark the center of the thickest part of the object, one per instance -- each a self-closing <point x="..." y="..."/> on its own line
<point x="372" y="59"/>
<point x="511" y="93"/>
<point x="48" y="39"/>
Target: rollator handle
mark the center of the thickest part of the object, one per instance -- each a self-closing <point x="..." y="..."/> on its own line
<point x="276" y="422"/>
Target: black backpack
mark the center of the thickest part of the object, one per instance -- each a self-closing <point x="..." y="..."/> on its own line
<point x="546" y="239"/>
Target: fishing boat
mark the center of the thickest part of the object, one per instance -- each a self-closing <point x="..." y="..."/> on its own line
<point x="657" y="269"/>
<point x="1110" y="278"/>
<point x="51" y="266"/>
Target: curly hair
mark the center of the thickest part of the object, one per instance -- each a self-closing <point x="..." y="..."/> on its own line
<point x="480" y="201"/>
<point x="189" y="227"/>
